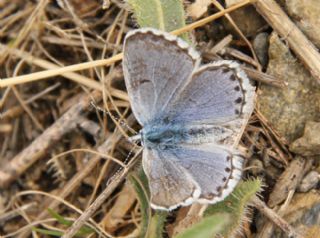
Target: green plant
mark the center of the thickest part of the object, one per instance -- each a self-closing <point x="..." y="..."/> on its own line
<point x="150" y="226"/>
<point x="84" y="231"/>
<point x="165" y="15"/>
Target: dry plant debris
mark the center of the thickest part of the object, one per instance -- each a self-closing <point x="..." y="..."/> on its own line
<point x="60" y="151"/>
<point x="286" y="108"/>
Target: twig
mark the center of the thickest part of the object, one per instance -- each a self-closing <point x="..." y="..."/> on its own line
<point x="25" y="31"/>
<point x="241" y="56"/>
<point x="22" y="161"/>
<point x="55" y="70"/>
<point x="67" y="71"/>
<point x="275" y="218"/>
<point x="237" y="29"/>
<point x="98" y="202"/>
<point x="4" y="216"/>
<point x="263" y="77"/>
<point x="281" y="23"/>
<point x="208" y="19"/>
<point x="221" y="44"/>
<point x="289" y="180"/>
<point x="70" y="42"/>
<point x="77" y="179"/>
<point x="16" y="110"/>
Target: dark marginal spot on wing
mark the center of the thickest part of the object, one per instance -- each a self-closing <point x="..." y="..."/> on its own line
<point x="228" y="170"/>
<point x="238" y="100"/>
<point x="233" y="77"/>
<point x="237" y="88"/>
<point x="225" y="70"/>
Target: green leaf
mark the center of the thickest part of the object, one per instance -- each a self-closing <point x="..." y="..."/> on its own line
<point x="224" y="218"/>
<point x="59" y="218"/>
<point x="156" y="225"/>
<point x="208" y="227"/>
<point x="151" y="226"/>
<point x="84" y="230"/>
<point x="48" y="232"/>
<point x="237" y="200"/>
<point x="140" y="184"/>
<point x="236" y="205"/>
<point x="165" y="15"/>
<point x="80" y="233"/>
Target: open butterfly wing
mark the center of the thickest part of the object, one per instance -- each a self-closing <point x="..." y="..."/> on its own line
<point x="156" y="66"/>
<point x="170" y="184"/>
<point x="181" y="175"/>
<point x="166" y="87"/>
<point x="218" y="93"/>
<point x="215" y="169"/>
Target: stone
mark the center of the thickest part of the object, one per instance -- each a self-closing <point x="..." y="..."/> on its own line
<point x="305" y="13"/>
<point x="287" y="109"/>
<point x="309" y="143"/>
<point x="261" y="45"/>
<point x="309" y="182"/>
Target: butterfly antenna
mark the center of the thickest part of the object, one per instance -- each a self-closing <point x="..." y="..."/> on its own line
<point x="119" y="120"/>
<point x="125" y="162"/>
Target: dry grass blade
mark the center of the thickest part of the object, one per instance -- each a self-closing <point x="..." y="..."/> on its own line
<point x="102" y="197"/>
<point x="282" y="24"/>
<point x="21" y="162"/>
<point x="50" y="119"/>
<point x="105" y="62"/>
<point x="78" y="178"/>
<point x="220" y="7"/>
<point x="263" y="208"/>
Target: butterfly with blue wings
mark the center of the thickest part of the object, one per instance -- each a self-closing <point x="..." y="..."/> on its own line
<point x="192" y="118"/>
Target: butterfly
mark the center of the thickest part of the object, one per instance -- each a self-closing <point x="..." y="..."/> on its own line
<point x="192" y="117"/>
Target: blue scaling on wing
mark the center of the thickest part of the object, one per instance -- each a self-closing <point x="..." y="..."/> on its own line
<point x="156" y="66"/>
<point x="216" y="169"/>
<point x="192" y="118"/>
<point x="170" y="184"/>
<point x="216" y="93"/>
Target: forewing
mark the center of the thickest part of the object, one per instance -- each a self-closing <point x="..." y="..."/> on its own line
<point x="215" y="169"/>
<point x="216" y="93"/>
<point x="156" y="66"/>
<point x="170" y="184"/>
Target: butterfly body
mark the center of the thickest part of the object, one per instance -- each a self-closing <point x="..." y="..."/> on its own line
<point x="192" y="118"/>
<point x="169" y="135"/>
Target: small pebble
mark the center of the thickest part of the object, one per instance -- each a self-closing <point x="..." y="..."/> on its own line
<point x="261" y="45"/>
<point x="309" y="182"/>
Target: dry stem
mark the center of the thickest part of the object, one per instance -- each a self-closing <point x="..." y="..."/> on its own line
<point x="54" y="71"/>
<point x="282" y="24"/>
<point x="22" y="161"/>
<point x="100" y="200"/>
<point x="275" y="218"/>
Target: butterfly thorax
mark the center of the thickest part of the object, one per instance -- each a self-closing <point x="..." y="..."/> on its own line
<point x="170" y="135"/>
